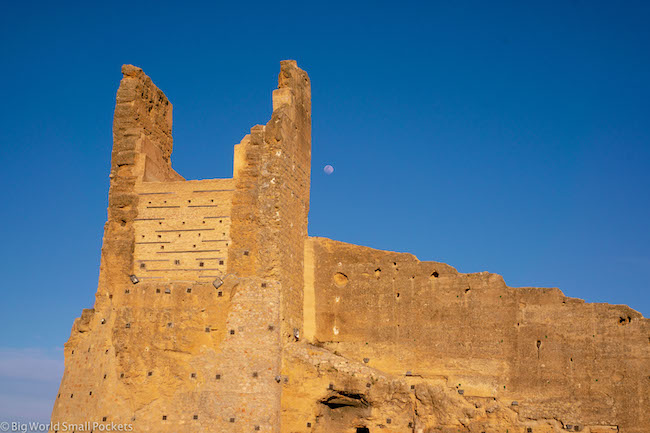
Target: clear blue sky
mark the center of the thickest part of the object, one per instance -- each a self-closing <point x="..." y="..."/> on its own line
<point x="512" y="137"/>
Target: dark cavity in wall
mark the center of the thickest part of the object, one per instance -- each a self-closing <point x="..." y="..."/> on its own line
<point x="340" y="399"/>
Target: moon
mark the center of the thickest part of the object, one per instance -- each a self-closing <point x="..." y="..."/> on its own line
<point x="328" y="169"/>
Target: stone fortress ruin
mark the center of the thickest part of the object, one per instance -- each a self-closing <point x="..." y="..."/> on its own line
<point x="217" y="312"/>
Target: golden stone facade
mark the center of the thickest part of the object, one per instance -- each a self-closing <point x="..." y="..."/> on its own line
<point x="216" y="312"/>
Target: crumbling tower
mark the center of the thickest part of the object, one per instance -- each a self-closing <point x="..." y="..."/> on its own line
<point x="201" y="280"/>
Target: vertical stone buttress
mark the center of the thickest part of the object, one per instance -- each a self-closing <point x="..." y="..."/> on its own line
<point x="271" y="200"/>
<point x="271" y="203"/>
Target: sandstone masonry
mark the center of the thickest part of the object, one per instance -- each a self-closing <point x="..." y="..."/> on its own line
<point x="216" y="312"/>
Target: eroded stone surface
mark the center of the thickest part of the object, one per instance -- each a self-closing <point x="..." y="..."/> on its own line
<point x="240" y="322"/>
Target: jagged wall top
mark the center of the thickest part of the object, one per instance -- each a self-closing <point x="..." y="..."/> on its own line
<point x="142" y="127"/>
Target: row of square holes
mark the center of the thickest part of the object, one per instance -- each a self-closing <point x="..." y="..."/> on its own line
<point x="180" y="234"/>
<point x="162" y="247"/>
<point x="164" y="418"/>
<point x="189" y="201"/>
<point x="171" y="325"/>
<point x="178" y="262"/>
<point x="169" y="291"/>
<point x="218" y="376"/>
<point x="183" y="222"/>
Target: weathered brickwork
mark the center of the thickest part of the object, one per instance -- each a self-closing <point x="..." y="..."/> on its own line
<point x="182" y="231"/>
<point x="216" y="312"/>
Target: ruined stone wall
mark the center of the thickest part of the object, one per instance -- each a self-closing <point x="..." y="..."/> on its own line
<point x="549" y="361"/>
<point x="239" y="322"/>
<point x="173" y="352"/>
